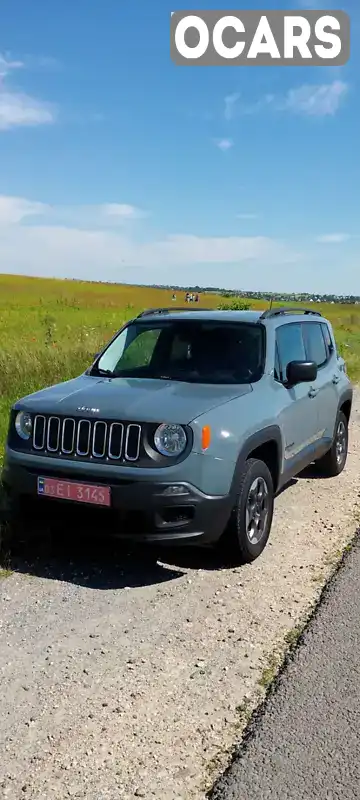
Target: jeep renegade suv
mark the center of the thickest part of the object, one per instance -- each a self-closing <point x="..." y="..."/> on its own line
<point x="186" y="426"/>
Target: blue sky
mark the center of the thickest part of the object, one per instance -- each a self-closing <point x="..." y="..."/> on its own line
<point x="115" y="164"/>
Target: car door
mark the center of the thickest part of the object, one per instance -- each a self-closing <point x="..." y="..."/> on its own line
<point x="324" y="388"/>
<point x="297" y="407"/>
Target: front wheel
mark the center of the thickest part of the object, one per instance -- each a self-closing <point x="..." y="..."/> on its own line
<point x="251" y="518"/>
<point x="333" y="462"/>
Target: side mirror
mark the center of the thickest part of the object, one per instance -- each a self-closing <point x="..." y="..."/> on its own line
<point x="301" y="372"/>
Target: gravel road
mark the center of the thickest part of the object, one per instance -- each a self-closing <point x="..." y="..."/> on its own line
<point x="122" y="677"/>
<point x="307" y="742"/>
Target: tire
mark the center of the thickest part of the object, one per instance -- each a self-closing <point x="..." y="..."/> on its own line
<point x="245" y="542"/>
<point x="333" y="462"/>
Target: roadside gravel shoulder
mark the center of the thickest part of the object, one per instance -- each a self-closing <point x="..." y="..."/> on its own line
<point x="136" y="679"/>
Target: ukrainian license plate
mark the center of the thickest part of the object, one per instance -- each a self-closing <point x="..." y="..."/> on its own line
<point x="78" y="492"/>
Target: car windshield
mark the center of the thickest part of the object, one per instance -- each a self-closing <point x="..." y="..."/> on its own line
<point x="190" y="351"/>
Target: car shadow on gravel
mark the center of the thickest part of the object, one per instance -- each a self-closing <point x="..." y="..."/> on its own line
<point x="311" y="473"/>
<point x="90" y="561"/>
<point x="195" y="558"/>
<point x="99" y="561"/>
<point x="291" y="482"/>
<point x="209" y="559"/>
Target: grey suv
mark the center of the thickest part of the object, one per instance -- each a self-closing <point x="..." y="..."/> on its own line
<point x="186" y="426"/>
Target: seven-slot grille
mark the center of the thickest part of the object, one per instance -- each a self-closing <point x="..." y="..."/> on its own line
<point x="87" y="438"/>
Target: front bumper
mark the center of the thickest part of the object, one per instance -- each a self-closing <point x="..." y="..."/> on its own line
<point x="140" y="510"/>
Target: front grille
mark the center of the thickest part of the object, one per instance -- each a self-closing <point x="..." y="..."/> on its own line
<point x="87" y="439"/>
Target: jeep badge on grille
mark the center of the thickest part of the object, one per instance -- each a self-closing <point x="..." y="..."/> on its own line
<point x="89" y="410"/>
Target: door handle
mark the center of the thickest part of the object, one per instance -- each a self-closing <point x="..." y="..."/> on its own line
<point x="336" y="379"/>
<point x="313" y="392"/>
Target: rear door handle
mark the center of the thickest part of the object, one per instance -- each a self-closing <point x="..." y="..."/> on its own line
<point x="336" y="379"/>
<point x="313" y="392"/>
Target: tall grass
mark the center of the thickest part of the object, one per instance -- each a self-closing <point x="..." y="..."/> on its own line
<point x="50" y="330"/>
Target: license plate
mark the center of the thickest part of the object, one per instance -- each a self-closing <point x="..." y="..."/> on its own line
<point x="78" y="492"/>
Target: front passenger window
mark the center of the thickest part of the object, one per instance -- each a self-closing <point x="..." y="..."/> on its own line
<point x="290" y="347"/>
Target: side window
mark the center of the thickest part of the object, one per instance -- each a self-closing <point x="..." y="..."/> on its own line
<point x="328" y="340"/>
<point x="315" y="344"/>
<point x="290" y="347"/>
<point x="277" y="365"/>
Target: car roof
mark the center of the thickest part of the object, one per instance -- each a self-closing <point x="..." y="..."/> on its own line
<point x="217" y="315"/>
<point x="206" y="314"/>
<point x="287" y="319"/>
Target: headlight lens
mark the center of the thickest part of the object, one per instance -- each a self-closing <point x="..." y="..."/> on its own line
<point x="23" y="425"/>
<point x="170" y="440"/>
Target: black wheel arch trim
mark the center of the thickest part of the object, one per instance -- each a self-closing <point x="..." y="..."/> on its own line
<point x="260" y="438"/>
<point x="345" y="397"/>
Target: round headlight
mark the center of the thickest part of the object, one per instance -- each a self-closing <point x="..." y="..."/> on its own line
<point x="170" y="440"/>
<point x="23" y="425"/>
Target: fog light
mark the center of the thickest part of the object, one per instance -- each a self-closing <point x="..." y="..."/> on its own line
<point x="175" y="491"/>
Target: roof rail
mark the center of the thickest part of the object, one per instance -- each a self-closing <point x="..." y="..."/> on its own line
<point x="275" y="312"/>
<point x="150" y="311"/>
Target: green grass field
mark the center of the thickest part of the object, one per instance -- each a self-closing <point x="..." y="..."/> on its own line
<point x="50" y="330"/>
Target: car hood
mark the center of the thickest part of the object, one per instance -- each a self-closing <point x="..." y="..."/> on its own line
<point x="131" y="399"/>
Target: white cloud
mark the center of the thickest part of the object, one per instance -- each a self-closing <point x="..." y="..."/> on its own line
<point x="115" y="254"/>
<point x="47" y="63"/>
<point x="224" y="144"/>
<point x="15" y="209"/>
<point x="263" y="102"/>
<point x="92" y="216"/>
<point x="18" y="109"/>
<point x="182" y="249"/>
<point x="230" y="105"/>
<point x="247" y="216"/>
<point x="334" y="238"/>
<point x="7" y="65"/>
<point x="22" y="110"/>
<point x="60" y="250"/>
<point x="308" y="100"/>
<point x="234" y="106"/>
<point x="30" y="62"/>
<point x="121" y="211"/>
<point x="321" y="100"/>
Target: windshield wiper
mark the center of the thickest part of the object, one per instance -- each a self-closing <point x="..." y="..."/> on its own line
<point x="176" y="376"/>
<point x="107" y="373"/>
